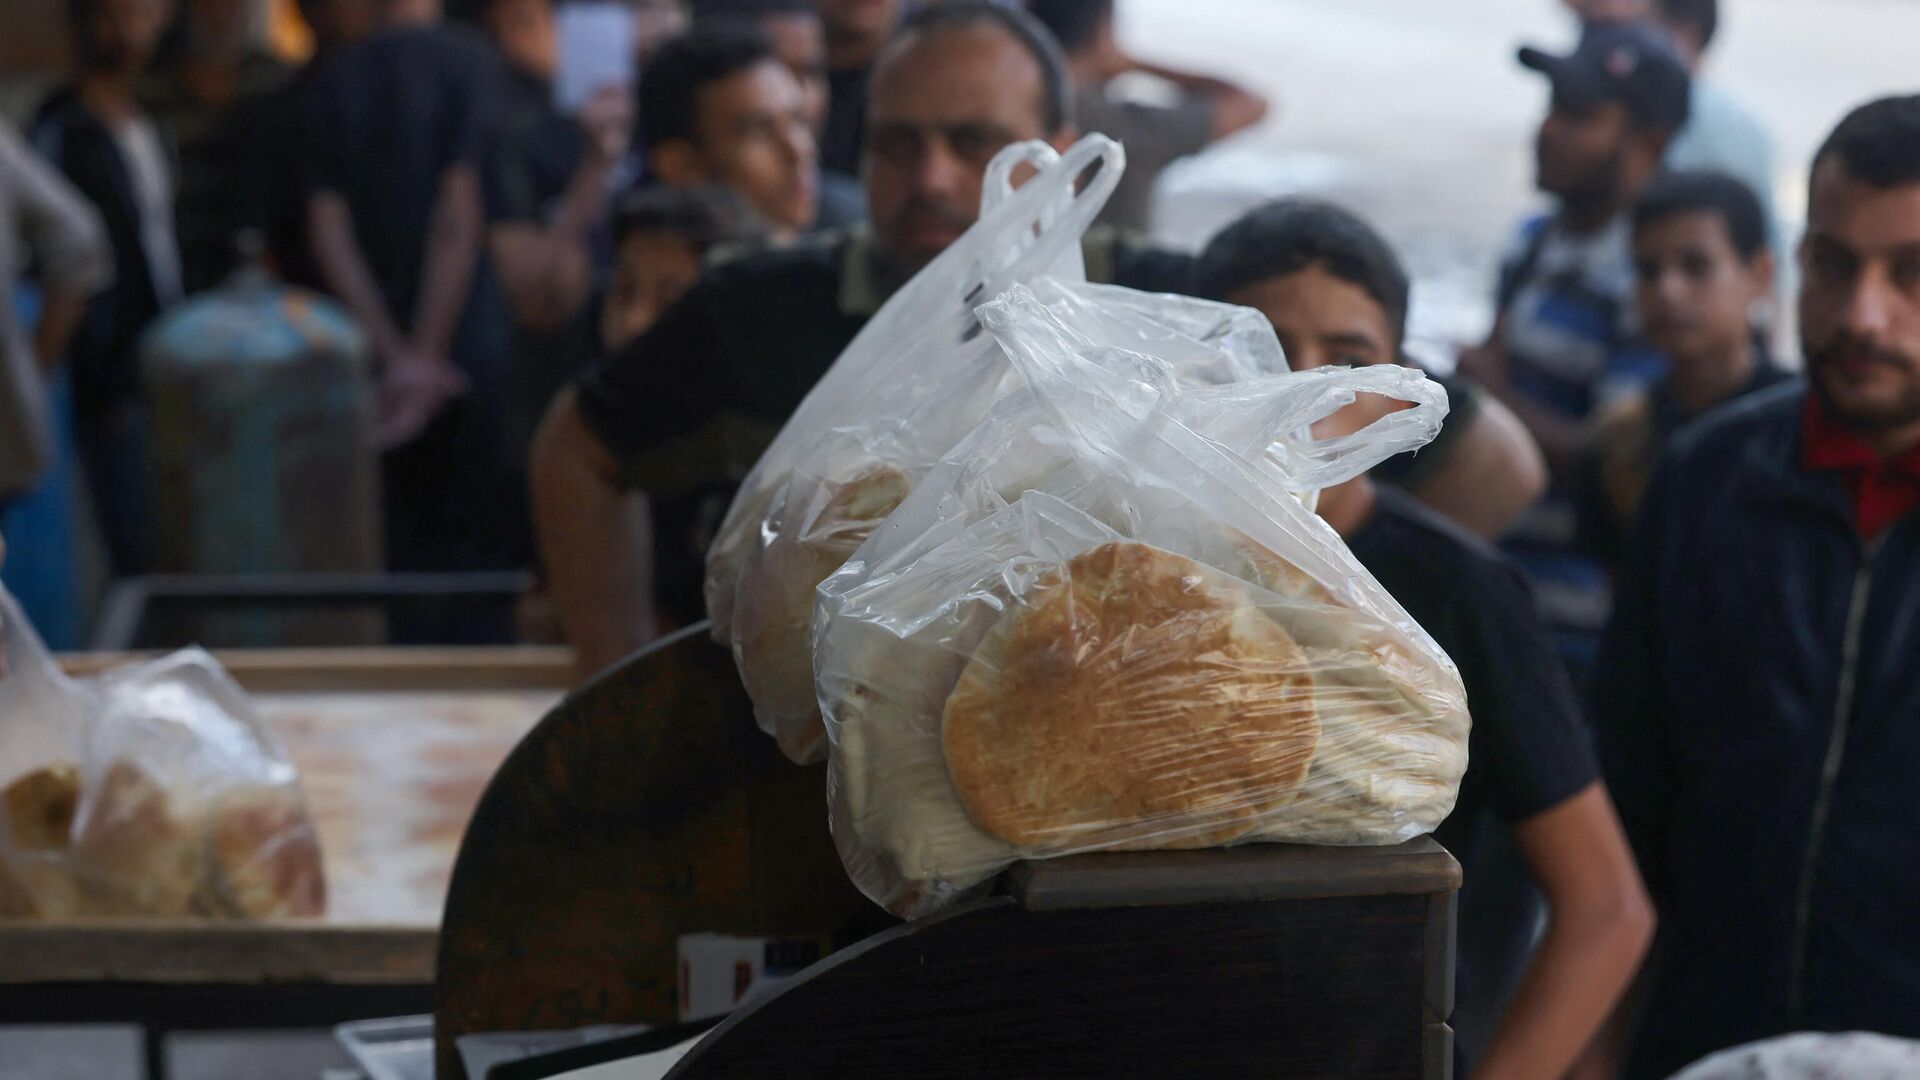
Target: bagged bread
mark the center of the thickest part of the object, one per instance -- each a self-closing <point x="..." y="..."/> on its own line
<point x="155" y="793"/>
<point x="917" y="379"/>
<point x="1097" y="626"/>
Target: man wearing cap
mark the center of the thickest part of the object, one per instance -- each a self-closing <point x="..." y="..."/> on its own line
<point x="1563" y="341"/>
<point x="1757" y="704"/>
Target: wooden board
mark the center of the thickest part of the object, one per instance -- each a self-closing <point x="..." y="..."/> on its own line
<point x="394" y="749"/>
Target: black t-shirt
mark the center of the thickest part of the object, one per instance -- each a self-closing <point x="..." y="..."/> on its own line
<point x="1528" y="751"/>
<point x="385" y="120"/>
<point x="688" y="406"/>
<point x="534" y="153"/>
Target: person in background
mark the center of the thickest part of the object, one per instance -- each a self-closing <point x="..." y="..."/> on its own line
<point x="205" y="90"/>
<point x="663" y="236"/>
<point x="275" y="191"/>
<point x="1155" y="136"/>
<point x="1564" y="340"/>
<point x="1757" y="694"/>
<point x="856" y="32"/>
<point x="95" y="131"/>
<point x="548" y="186"/>
<point x="396" y="124"/>
<point x="1702" y="270"/>
<point x="718" y="107"/>
<point x="799" y="39"/>
<point x="1721" y="134"/>
<point x="46" y="224"/>
<point x="1336" y="295"/>
<point x="683" y="411"/>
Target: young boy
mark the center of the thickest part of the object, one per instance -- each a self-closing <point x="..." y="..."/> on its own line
<point x="1703" y="271"/>
<point x="1336" y="295"/>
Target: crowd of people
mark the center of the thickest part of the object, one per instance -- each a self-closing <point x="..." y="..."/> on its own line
<point x="1672" y="572"/>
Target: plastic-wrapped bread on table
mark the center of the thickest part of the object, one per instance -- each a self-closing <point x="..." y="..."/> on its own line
<point x="917" y="379"/>
<point x="156" y="792"/>
<point x="1104" y="622"/>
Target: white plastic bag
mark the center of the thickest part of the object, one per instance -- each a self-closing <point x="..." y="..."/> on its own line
<point x="904" y="392"/>
<point x="155" y="793"/>
<point x="1097" y="625"/>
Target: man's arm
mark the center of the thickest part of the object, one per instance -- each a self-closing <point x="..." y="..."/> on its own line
<point x="1235" y="108"/>
<point x="413" y="384"/>
<point x="1600" y="923"/>
<point x="1493" y="473"/>
<point x="67" y="239"/>
<point x="595" y="540"/>
<point x="545" y="269"/>
<point x="455" y="231"/>
<point x="330" y="234"/>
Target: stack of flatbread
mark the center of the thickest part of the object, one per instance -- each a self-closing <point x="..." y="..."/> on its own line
<point x="1130" y="697"/>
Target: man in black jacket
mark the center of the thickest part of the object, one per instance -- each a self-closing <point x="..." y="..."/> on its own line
<point x="1758" y="698"/>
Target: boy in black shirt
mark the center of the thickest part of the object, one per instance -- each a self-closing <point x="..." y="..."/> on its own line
<point x="1336" y="295"/>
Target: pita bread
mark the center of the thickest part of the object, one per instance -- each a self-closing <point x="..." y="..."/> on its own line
<point x="1137" y="699"/>
<point x="263" y="858"/>
<point x="773" y="615"/>
<point x="40" y="807"/>
<point x="134" y="853"/>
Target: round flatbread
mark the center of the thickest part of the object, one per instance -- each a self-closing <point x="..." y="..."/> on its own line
<point x="1135" y="699"/>
<point x="40" y="807"/>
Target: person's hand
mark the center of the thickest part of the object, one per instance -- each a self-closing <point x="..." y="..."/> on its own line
<point x="414" y="386"/>
<point x="606" y="119"/>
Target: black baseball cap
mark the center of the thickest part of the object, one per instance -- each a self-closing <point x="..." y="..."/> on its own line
<point x="1632" y="63"/>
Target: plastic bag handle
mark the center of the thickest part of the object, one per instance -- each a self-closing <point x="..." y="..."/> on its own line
<point x="1107" y="399"/>
<point x="1308" y="463"/>
<point x="998" y="185"/>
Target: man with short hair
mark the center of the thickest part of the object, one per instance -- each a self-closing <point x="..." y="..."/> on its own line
<point x="1757" y="698"/>
<point x="1336" y="296"/>
<point x="684" y="411"/>
<point x="1721" y="135"/>
<point x="1564" y="340"/>
<point x="856" y="32"/>
<point x="1702" y="270"/>
<point x="1155" y="136"/>
<point x="718" y="107"/>
<point x="799" y="38"/>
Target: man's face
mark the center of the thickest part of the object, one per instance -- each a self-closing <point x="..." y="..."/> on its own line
<point x="1694" y="289"/>
<point x="801" y="44"/>
<point x="120" y="35"/>
<point x="942" y="105"/>
<point x="1860" y="300"/>
<point x="754" y="139"/>
<point x="526" y="34"/>
<point x="655" y="266"/>
<point x="1581" y="148"/>
<point x="1326" y="321"/>
<point x="858" y="20"/>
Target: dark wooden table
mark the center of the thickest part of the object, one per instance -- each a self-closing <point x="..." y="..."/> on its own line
<point x="647" y="805"/>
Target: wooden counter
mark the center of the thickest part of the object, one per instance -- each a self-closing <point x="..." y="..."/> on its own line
<point x="394" y="748"/>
